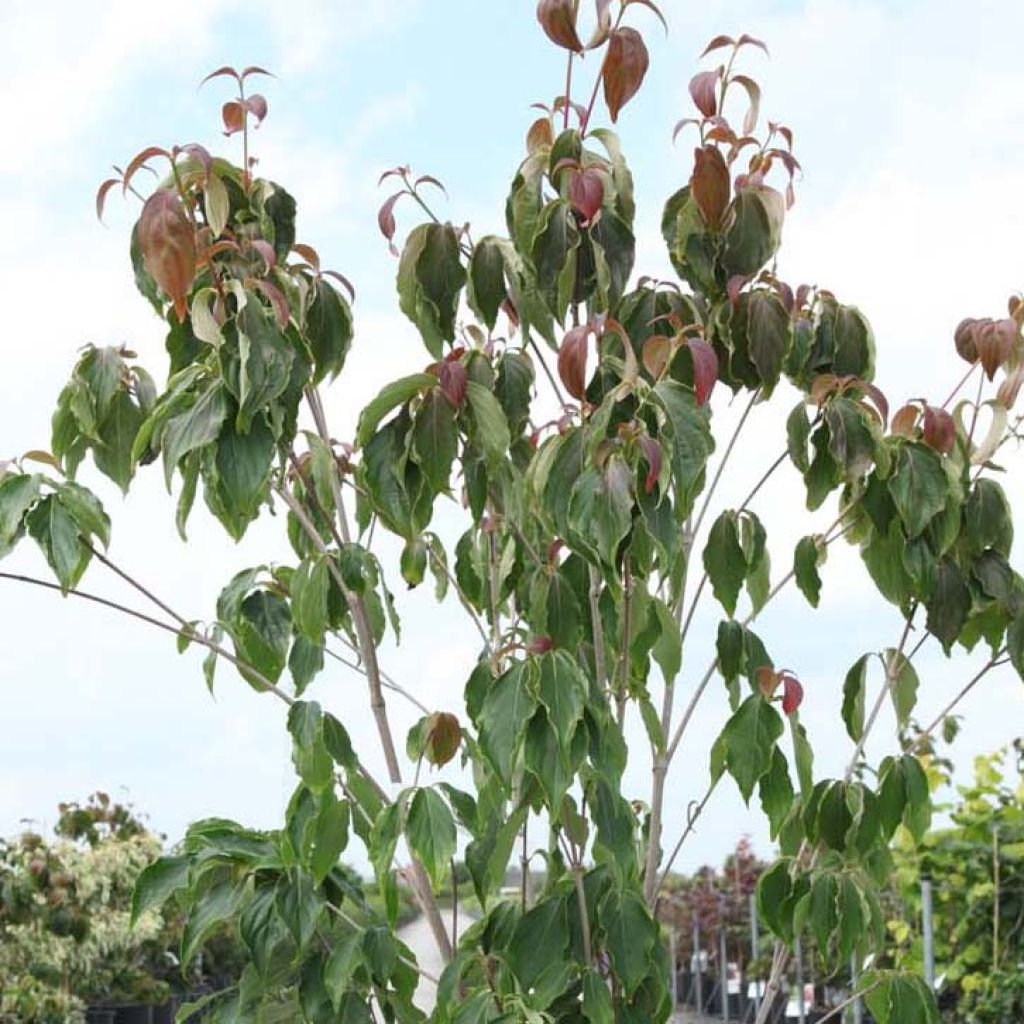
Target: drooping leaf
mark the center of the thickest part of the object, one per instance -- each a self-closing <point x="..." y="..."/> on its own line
<point x="430" y="832"/>
<point x="625" y="66"/>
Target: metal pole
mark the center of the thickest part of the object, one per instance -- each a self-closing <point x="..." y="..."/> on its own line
<point x="697" y="979"/>
<point x="801" y="1009"/>
<point x="858" y="1006"/>
<point x="928" y="936"/>
<point x="755" y="942"/>
<point x="723" y="973"/>
<point x="675" y="966"/>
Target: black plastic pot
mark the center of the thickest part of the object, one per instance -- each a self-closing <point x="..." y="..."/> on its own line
<point x="165" y="1014"/>
<point x="100" y="1015"/>
<point x="137" y="1014"/>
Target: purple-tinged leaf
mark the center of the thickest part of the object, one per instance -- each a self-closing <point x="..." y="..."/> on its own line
<point x="572" y="362"/>
<point x="881" y="403"/>
<point x="604" y="24"/>
<point x="139" y="161"/>
<point x="220" y="73"/>
<point x="994" y="340"/>
<point x="651" y="6"/>
<point x="792" y="695"/>
<point x="257" y="106"/>
<point x="453" y="381"/>
<point x="386" y="220"/>
<point x="395" y="172"/>
<point x="653" y="457"/>
<point x="680" y="125"/>
<point x="905" y="420"/>
<point x="709" y="184"/>
<point x="168" y="246"/>
<point x="734" y="287"/>
<point x="586" y="193"/>
<point x="277" y="300"/>
<point x="745" y="40"/>
<point x="344" y="282"/>
<point x="939" y="429"/>
<point x="308" y="253"/>
<point x="703" y="91"/>
<point x="1010" y="387"/>
<point x="429" y="179"/>
<point x="233" y="115"/>
<point x="717" y="43"/>
<point x="753" y="91"/>
<point x="101" y="195"/>
<point x="705" y="368"/>
<point x="200" y="154"/>
<point x="253" y="70"/>
<point x="625" y="66"/>
<point x="558" y="19"/>
<point x="266" y="251"/>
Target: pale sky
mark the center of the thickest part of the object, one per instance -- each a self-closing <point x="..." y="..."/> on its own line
<point x="907" y="117"/>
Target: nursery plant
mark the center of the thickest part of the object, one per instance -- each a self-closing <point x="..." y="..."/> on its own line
<point x="562" y="407"/>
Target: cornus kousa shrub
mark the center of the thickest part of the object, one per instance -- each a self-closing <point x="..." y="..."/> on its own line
<point x="564" y="404"/>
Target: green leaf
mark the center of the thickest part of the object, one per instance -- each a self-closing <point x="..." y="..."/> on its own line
<point x="54" y="529"/>
<point x="756" y="231"/>
<point x="328" y="330"/>
<point x="341" y="965"/>
<point x="563" y="616"/>
<point x="435" y="439"/>
<point x="668" y="648"/>
<point x="265" y="362"/>
<point x="724" y="561"/>
<point x="430" y="832"/>
<point x="903" y="685"/>
<point x="195" y="428"/>
<point x="430" y="277"/>
<point x="391" y="396"/>
<point x="157" y="883"/>
<point x="330" y="834"/>
<point x="18" y="493"/>
<point x="1015" y="643"/>
<point x="731" y="647"/>
<point x="539" y="939"/>
<point x="487" y="289"/>
<point x="949" y="604"/>
<point x="773" y="890"/>
<point x="86" y="510"/>
<point x="750" y="737"/>
<point x="313" y="763"/>
<point x="798" y="433"/>
<point x="262" y="634"/>
<point x="117" y="433"/>
<point x="563" y="692"/>
<point x="776" y="792"/>
<point x="310" y="587"/>
<point x="506" y="709"/>
<point x="919" y="487"/>
<point x="491" y="431"/>
<point x="853" y="698"/>
<point x="242" y="482"/>
<point x="597" y="999"/>
<point x="299" y="905"/>
<point x="220" y="903"/>
<point x="769" y="334"/>
<point x="810" y="553"/>
<point x="631" y="937"/>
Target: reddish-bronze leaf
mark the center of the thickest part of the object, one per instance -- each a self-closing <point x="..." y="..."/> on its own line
<point x="604" y="24"/>
<point x="277" y="301"/>
<point x="703" y="90"/>
<point x="705" y="368"/>
<point x="651" y="6"/>
<point x="539" y="645"/>
<point x="308" y="253"/>
<point x="586" y="192"/>
<point x="680" y="125"/>
<point x="266" y="251"/>
<point x="734" y="287"/>
<point x="572" y="362"/>
<point x="254" y="70"/>
<point x="222" y="72"/>
<point x="709" y="184"/>
<point x="147" y="154"/>
<point x="963" y="337"/>
<point x="233" y="115"/>
<point x="792" y="694"/>
<point x="168" y="246"/>
<point x="717" y="43"/>
<point x="745" y="40"/>
<point x="453" y="382"/>
<point x="767" y="680"/>
<point x="905" y="420"/>
<point x="442" y="738"/>
<point x="101" y="195"/>
<point x="994" y="340"/>
<point x="386" y="220"/>
<point x="652" y="454"/>
<point x="540" y="135"/>
<point x="754" y="96"/>
<point x="257" y="106"/>
<point x="625" y="66"/>
<point x="558" y="19"/>
<point x="344" y="282"/>
<point x="880" y="401"/>
<point x="657" y="352"/>
<point x="939" y="430"/>
<point x="429" y="179"/>
<point x="1009" y="389"/>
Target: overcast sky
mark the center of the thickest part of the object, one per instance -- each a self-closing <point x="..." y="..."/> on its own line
<point x="907" y="117"/>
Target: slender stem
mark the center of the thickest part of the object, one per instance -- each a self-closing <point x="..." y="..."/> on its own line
<point x="597" y="628"/>
<point x="627" y="630"/>
<point x="977" y="411"/>
<point x="568" y="90"/>
<point x="367" y="649"/>
<point x="463" y="600"/>
<point x="547" y="373"/>
<point x="492" y="576"/>
<point x="690" y="827"/>
<point x="404" y="958"/>
<point x="386" y="680"/>
<point x="600" y="76"/>
<point x="837" y="1010"/>
<point x="581" y="899"/>
<point x="944" y="713"/>
<point x="966" y="377"/>
<point x="135" y="584"/>
<point x="725" y="460"/>
<point x="261" y="681"/>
